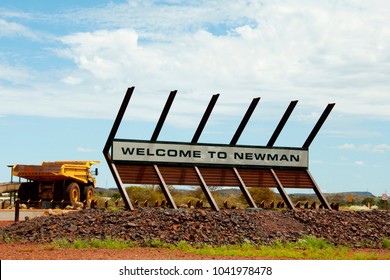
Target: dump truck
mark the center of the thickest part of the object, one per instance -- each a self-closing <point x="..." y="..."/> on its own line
<point x="58" y="183"/>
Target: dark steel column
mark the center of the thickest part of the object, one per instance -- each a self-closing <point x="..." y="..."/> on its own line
<point x="164" y="187"/>
<point x="318" y="125"/>
<point x="282" y="192"/>
<point x="164" y="114"/>
<point x="233" y="142"/>
<point x="205" y="118"/>
<point x="206" y="190"/>
<point x="106" y="149"/>
<point x="318" y="192"/>
<point x="195" y="138"/>
<point x="244" y="121"/>
<point x="281" y="124"/>
<point x="244" y="190"/>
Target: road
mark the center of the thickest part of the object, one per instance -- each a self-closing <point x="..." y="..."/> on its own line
<point x="9" y="215"/>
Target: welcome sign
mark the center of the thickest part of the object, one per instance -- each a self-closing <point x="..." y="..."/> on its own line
<point x="198" y="154"/>
<point x="163" y="163"/>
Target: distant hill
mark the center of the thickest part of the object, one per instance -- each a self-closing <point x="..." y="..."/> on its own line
<point x="353" y="193"/>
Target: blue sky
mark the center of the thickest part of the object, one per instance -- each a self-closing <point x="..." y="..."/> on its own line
<point x="65" y="66"/>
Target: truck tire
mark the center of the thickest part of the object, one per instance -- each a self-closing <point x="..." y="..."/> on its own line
<point x="87" y="195"/>
<point x="72" y="193"/>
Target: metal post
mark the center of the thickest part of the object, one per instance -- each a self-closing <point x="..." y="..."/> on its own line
<point x="244" y="190"/>
<point x="206" y="190"/>
<point x="163" y="116"/>
<point x="234" y="140"/>
<point x="282" y="123"/>
<point x="282" y="192"/>
<point x="156" y="132"/>
<point x="106" y="150"/>
<point x="318" y="125"/>
<point x="245" y="120"/>
<point x="17" y="209"/>
<point x="318" y="192"/>
<point x="205" y="118"/>
<point x="164" y="188"/>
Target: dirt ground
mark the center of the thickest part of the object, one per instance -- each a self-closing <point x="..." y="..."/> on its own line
<point x="25" y="251"/>
<point x="28" y="251"/>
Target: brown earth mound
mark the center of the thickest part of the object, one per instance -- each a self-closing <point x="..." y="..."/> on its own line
<point x="195" y="226"/>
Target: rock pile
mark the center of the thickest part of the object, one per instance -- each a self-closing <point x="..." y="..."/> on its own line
<point x="195" y="226"/>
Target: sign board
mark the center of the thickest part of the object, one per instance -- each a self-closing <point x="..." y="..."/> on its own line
<point x="384" y="196"/>
<point x="197" y="154"/>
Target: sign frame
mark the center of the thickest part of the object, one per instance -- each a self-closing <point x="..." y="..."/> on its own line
<point x="280" y="175"/>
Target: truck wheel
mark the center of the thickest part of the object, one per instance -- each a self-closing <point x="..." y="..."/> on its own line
<point x="87" y="195"/>
<point x="72" y="193"/>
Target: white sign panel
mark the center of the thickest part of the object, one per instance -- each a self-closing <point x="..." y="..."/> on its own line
<point x="171" y="152"/>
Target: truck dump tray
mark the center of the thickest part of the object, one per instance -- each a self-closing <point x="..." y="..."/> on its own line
<point x="53" y="171"/>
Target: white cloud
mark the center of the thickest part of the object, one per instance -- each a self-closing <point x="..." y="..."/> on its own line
<point x="72" y="80"/>
<point x="380" y="148"/>
<point x="315" y="52"/>
<point x="85" y="150"/>
<point x="13" y="29"/>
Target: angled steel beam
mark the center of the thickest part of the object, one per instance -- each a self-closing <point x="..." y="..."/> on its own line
<point x="234" y="140"/>
<point x="281" y="124"/>
<point x="206" y="190"/>
<point x="282" y="192"/>
<point x="244" y="190"/>
<point x="155" y="135"/>
<point x="318" y="125"/>
<point x="318" y="192"/>
<point x="195" y="138"/>
<point x="164" y="187"/>
<point x="163" y="116"/>
<point x="106" y="149"/>
<point x="205" y="118"/>
<point x="245" y="120"/>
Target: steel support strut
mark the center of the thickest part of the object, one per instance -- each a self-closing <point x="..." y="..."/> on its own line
<point x="281" y="124"/>
<point x="163" y="186"/>
<point x="206" y="190"/>
<point x="106" y="149"/>
<point x="195" y="138"/>
<point x="318" y="125"/>
<point x="318" y="192"/>
<point x="282" y="192"/>
<point x="234" y="140"/>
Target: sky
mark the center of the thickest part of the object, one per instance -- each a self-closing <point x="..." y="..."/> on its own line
<point x="66" y="65"/>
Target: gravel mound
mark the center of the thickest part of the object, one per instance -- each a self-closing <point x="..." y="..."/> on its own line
<point x="195" y="226"/>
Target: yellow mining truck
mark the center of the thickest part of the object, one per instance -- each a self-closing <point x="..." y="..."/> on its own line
<point x="58" y="183"/>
